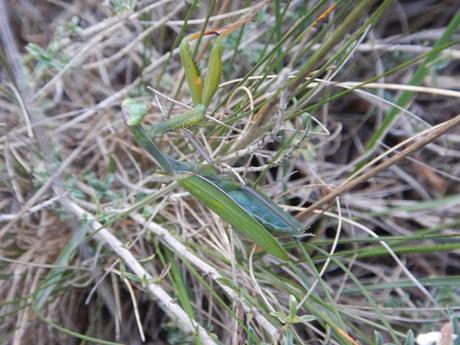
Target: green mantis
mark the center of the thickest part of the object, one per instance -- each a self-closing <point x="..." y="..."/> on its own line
<point x="248" y="211"/>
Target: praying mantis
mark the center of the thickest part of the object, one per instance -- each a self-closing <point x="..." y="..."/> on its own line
<point x="247" y="210"/>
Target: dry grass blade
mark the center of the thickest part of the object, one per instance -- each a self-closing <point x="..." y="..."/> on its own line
<point x="428" y="138"/>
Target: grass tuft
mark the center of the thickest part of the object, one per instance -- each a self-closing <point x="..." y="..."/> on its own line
<point x="344" y="113"/>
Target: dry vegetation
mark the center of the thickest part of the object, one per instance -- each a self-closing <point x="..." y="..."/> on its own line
<point x="98" y="246"/>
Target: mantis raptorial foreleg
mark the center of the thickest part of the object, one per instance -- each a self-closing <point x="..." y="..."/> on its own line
<point x="200" y="91"/>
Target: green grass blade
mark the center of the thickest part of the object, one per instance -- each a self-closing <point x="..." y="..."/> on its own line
<point x="84" y="338"/>
<point x="179" y="284"/>
<point x="55" y="275"/>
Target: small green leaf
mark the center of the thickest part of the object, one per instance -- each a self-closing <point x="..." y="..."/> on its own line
<point x="288" y="338"/>
<point x="292" y="307"/>
<point x="306" y="318"/>
<point x="409" y="338"/>
<point x="378" y="339"/>
<point x="123" y="6"/>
